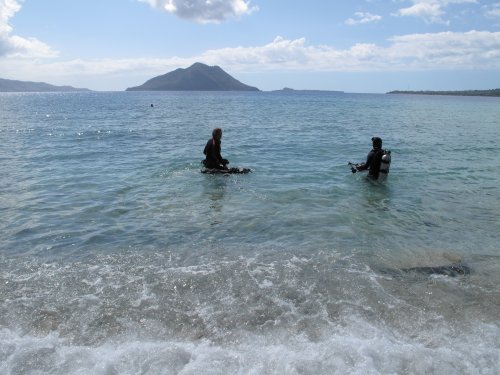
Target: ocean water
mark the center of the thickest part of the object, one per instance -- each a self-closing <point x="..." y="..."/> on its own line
<point x="117" y="256"/>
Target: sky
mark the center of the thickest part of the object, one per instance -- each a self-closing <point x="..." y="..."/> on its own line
<point x="364" y="46"/>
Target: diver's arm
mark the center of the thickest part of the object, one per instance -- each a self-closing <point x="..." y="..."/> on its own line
<point x="220" y="159"/>
<point x="364" y="166"/>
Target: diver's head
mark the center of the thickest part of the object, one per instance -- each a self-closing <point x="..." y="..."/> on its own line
<point x="377" y="142"/>
<point x="217" y="133"/>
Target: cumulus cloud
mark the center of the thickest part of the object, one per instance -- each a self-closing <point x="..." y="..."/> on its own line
<point x="204" y="11"/>
<point x="16" y="46"/>
<point x="447" y="50"/>
<point x="363" y="17"/>
<point x="432" y="51"/>
<point x="431" y="11"/>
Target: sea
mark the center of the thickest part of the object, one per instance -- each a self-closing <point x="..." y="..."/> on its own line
<point x="117" y="256"/>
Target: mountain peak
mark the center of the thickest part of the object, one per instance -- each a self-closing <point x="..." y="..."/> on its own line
<point x="198" y="77"/>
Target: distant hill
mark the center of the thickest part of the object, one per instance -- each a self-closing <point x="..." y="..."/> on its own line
<point x="9" y="85"/>
<point x="198" y="77"/>
<point x="494" y="92"/>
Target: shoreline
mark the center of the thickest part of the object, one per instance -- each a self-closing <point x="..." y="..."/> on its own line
<point x="492" y="92"/>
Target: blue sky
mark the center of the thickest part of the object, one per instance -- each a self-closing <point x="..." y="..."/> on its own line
<point x="353" y="46"/>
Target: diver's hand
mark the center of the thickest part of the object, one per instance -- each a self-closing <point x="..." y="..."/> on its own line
<point x="353" y="170"/>
<point x="359" y="167"/>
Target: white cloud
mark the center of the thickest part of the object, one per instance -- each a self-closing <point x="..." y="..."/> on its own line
<point x="204" y="11"/>
<point x="16" y="46"/>
<point x="493" y="11"/>
<point x="448" y="50"/>
<point x="7" y="10"/>
<point x="362" y="17"/>
<point x="439" y="51"/>
<point x="431" y="11"/>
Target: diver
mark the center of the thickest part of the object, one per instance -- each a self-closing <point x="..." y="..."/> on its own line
<point x="213" y="158"/>
<point x="377" y="162"/>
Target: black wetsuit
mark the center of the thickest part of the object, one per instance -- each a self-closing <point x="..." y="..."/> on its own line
<point x="213" y="158"/>
<point x="373" y="161"/>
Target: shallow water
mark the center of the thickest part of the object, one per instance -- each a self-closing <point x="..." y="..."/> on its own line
<point x="119" y="257"/>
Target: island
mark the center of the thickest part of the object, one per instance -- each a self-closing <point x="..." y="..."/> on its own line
<point x="9" y="85"/>
<point x="198" y="77"/>
<point x="290" y="90"/>
<point x="493" y="92"/>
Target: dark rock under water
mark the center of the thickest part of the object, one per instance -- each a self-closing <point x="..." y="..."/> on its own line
<point x="451" y="270"/>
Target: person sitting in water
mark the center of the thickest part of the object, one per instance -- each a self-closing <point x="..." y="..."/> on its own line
<point x="213" y="158"/>
<point x="373" y="160"/>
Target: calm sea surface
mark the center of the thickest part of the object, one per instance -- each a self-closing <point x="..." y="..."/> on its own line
<point x="117" y="256"/>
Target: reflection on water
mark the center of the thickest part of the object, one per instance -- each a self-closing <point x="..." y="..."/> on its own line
<point x="214" y="191"/>
<point x="376" y="195"/>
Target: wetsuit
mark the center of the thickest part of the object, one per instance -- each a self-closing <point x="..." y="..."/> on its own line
<point x="373" y="161"/>
<point x="213" y="158"/>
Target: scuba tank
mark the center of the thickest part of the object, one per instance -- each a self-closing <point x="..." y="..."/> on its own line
<point x="385" y="164"/>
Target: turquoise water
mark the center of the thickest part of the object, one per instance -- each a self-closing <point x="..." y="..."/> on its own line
<point x="118" y="256"/>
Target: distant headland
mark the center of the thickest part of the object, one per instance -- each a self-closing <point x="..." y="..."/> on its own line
<point x="493" y="92"/>
<point x="9" y="85"/>
<point x="198" y="77"/>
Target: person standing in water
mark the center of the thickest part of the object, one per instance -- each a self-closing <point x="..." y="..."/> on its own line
<point x="373" y="160"/>
<point x="213" y="158"/>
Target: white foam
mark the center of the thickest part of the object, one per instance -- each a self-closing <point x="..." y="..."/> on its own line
<point x="133" y="315"/>
<point x="358" y="348"/>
